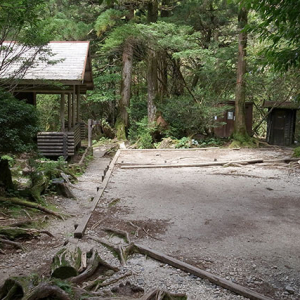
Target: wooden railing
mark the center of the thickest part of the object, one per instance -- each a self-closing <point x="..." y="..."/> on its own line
<point x="59" y="143"/>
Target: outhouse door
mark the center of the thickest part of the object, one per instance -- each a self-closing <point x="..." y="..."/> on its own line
<point x="281" y="128"/>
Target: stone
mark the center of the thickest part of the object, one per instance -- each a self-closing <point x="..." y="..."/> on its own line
<point x="290" y="289"/>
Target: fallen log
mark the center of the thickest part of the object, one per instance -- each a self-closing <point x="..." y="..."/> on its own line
<point x="20" y="202"/>
<point x="208" y="164"/>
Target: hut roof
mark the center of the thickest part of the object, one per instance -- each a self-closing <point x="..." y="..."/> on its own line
<point x="283" y="105"/>
<point x="68" y="63"/>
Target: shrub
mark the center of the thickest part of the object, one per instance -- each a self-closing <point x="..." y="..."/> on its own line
<point x="18" y="124"/>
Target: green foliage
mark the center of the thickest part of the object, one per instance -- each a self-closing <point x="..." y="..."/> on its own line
<point x="10" y="159"/>
<point x="20" y="21"/>
<point x="244" y="141"/>
<point x="142" y="134"/>
<point x="107" y="20"/>
<point x="18" y="124"/>
<point x="184" y="142"/>
<point x="48" y="112"/>
<point x="279" y="24"/>
<point x="212" y="142"/>
<point x="296" y="152"/>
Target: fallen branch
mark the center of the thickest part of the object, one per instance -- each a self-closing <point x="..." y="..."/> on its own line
<point x="17" y="201"/>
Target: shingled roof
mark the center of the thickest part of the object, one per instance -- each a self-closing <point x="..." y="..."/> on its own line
<point x="72" y="64"/>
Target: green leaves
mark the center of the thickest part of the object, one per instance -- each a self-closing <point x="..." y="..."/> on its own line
<point x="18" y="124"/>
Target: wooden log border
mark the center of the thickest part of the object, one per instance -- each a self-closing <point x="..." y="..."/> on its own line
<point x="207" y="164"/>
<point x="79" y="231"/>
<point x="229" y="285"/>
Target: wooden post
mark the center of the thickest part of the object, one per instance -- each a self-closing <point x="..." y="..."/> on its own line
<point x="62" y="112"/>
<point x="69" y="111"/>
<point x="78" y="103"/>
<point x="89" y="132"/>
<point x="73" y="107"/>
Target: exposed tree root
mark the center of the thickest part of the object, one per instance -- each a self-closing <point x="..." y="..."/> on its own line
<point x="122" y="252"/>
<point x="162" y="295"/>
<point x="8" y="242"/>
<point x="94" y="263"/>
<point x="20" y="202"/>
<point x="122" y="234"/>
<point x="45" y="290"/>
<point x="13" y="233"/>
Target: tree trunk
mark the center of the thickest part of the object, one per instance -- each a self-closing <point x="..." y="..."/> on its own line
<point x="240" y="130"/>
<point x="5" y="175"/>
<point x="152" y="79"/>
<point x="165" y="12"/>
<point x="123" y="118"/>
<point x="152" y="85"/>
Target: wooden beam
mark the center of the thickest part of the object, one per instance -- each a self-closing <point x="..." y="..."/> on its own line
<point x="69" y="111"/>
<point x="79" y="232"/>
<point x="236" y="288"/>
<point x="73" y="106"/>
<point x="209" y="164"/>
<point x="78" y="103"/>
<point x="62" y="112"/>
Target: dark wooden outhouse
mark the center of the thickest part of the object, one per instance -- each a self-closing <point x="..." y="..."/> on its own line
<point x="281" y="122"/>
<point x="228" y="118"/>
<point x="69" y="75"/>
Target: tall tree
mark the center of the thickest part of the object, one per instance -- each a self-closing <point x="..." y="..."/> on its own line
<point x="240" y="130"/>
<point x="152" y="67"/>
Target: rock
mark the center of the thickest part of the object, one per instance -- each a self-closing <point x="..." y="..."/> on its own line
<point x="290" y="289"/>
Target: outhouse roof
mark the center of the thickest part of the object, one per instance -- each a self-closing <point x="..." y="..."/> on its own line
<point x="63" y="62"/>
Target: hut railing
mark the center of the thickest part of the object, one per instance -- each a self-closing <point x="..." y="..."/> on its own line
<point x="59" y="143"/>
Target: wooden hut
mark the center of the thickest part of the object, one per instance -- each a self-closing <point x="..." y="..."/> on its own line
<point x="281" y="122"/>
<point x="70" y="75"/>
<point x="228" y="118"/>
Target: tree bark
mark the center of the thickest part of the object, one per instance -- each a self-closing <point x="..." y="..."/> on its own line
<point x="240" y="130"/>
<point x="152" y="79"/>
<point x="123" y="118"/>
<point x="152" y="86"/>
<point x="5" y="175"/>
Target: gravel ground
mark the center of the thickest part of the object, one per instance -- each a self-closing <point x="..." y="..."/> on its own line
<point x="239" y="222"/>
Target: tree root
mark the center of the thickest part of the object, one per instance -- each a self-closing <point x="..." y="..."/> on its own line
<point x="161" y="295"/>
<point x="45" y="290"/>
<point x="94" y="263"/>
<point x="20" y="202"/>
<point x="13" y="233"/>
<point x="120" y="233"/>
<point x="122" y="252"/>
<point x="8" y="242"/>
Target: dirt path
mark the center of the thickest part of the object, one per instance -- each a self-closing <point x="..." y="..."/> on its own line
<point x="241" y="223"/>
<point x="237" y="222"/>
